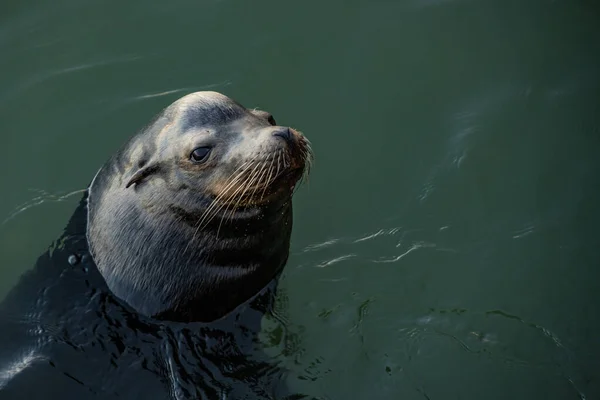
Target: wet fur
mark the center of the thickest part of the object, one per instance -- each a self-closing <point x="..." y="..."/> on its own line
<point x="145" y="208"/>
<point x="79" y="342"/>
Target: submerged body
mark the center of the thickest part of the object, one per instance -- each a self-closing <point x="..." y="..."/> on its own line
<point x="66" y="336"/>
<point x="158" y="285"/>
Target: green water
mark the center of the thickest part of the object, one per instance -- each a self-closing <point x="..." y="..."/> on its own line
<point x="446" y="246"/>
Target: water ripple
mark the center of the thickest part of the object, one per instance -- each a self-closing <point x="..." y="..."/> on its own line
<point x="413" y="247"/>
<point x="43" y="77"/>
<point x="478" y="342"/>
<point x="17" y="366"/>
<point x="181" y="90"/>
<point x="38" y="200"/>
<point x="318" y="246"/>
<point x="380" y="232"/>
<point x="371" y="246"/>
<point x="363" y="238"/>
<point x="527" y="230"/>
<point x="545" y="331"/>
<point x="336" y="260"/>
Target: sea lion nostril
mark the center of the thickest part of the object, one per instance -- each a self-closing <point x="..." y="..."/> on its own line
<point x="284" y="133"/>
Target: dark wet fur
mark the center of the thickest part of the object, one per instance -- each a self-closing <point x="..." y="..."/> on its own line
<point x="152" y="240"/>
<point x="88" y="344"/>
<point x="183" y="322"/>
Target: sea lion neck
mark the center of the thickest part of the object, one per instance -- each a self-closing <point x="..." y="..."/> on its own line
<point x="165" y="268"/>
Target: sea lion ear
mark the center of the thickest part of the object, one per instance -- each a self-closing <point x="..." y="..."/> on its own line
<point x="141" y="174"/>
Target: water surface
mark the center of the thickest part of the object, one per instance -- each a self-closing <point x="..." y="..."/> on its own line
<point x="446" y="245"/>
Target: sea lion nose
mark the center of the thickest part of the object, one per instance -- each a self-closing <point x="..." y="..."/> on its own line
<point x="284" y="133"/>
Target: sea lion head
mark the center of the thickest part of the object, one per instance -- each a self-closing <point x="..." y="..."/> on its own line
<point x="193" y="215"/>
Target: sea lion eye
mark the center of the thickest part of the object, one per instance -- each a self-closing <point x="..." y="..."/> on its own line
<point x="271" y="120"/>
<point x="200" y="154"/>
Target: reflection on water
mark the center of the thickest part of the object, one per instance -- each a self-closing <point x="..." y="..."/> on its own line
<point x="17" y="365"/>
<point x="41" y="198"/>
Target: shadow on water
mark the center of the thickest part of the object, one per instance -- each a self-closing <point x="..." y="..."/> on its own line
<point x="65" y="336"/>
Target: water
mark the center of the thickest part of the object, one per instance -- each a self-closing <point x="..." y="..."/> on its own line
<point x="446" y="244"/>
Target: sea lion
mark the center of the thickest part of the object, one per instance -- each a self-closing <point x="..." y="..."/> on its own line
<point x="193" y="216"/>
<point x="188" y="223"/>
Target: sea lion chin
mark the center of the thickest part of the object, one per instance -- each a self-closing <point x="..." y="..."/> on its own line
<point x="193" y="215"/>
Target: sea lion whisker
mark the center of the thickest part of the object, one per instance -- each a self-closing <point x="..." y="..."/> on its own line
<point x="269" y="179"/>
<point x="230" y="182"/>
<point x="241" y="187"/>
<point x="278" y="164"/>
<point x="247" y="185"/>
<point x="286" y="162"/>
<point x="212" y="211"/>
<point x="264" y="181"/>
<point x="268" y="176"/>
<point x="259" y="181"/>
<point x="216" y="201"/>
<point x="217" y="205"/>
<point x="308" y="153"/>
<point x="235" y="197"/>
<point x="226" y="212"/>
<point x="222" y="219"/>
<point x="220" y="205"/>
<point x="308" y="165"/>
<point x="253" y="179"/>
<point x="239" y="194"/>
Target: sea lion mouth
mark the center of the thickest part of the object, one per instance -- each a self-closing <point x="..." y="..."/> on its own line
<point x="261" y="181"/>
<point x="289" y="178"/>
<point x="276" y="177"/>
<point x="296" y="163"/>
<point x="258" y="179"/>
